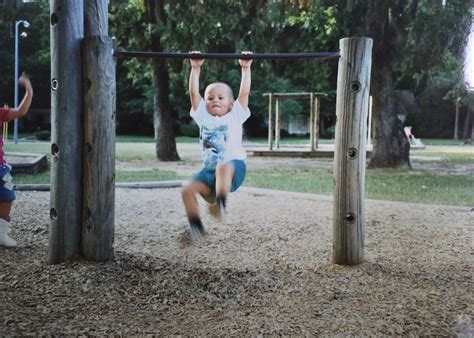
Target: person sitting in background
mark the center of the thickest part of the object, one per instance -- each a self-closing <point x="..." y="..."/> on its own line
<point x="409" y="133"/>
<point x="411" y="137"/>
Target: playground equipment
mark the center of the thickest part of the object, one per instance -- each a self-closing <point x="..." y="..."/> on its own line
<point x="315" y="102"/>
<point x="83" y="133"/>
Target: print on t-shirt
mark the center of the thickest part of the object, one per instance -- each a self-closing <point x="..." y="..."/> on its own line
<point x="213" y="144"/>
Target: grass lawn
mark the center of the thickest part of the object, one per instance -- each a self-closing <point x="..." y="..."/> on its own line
<point x="394" y="184"/>
<point x="398" y="185"/>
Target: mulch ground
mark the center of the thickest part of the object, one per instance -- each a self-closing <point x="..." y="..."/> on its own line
<point x="264" y="269"/>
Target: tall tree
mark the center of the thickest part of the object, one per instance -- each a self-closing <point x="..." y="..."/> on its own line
<point x="163" y="119"/>
<point x="406" y="33"/>
<point x="391" y="146"/>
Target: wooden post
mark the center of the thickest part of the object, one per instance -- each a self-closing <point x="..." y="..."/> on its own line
<point x="96" y="21"/>
<point x="99" y="149"/>
<point x="277" y="123"/>
<point x="99" y="135"/>
<point x="317" y="105"/>
<point x="369" y="131"/>
<point x="353" y="85"/>
<point x="311" y="121"/>
<point x="67" y="31"/>
<point x="270" y="122"/>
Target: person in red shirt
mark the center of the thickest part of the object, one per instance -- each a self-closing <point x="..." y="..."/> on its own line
<point x="7" y="193"/>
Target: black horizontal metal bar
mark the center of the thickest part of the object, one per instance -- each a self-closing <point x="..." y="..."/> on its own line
<point x="170" y="55"/>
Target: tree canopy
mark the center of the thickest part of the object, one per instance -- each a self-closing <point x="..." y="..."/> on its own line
<point x="423" y="40"/>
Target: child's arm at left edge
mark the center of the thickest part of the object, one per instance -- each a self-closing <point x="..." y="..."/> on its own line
<point x="246" y="81"/>
<point x="25" y="104"/>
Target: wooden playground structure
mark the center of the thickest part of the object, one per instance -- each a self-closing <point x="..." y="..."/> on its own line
<point x="83" y="134"/>
<point x="274" y="100"/>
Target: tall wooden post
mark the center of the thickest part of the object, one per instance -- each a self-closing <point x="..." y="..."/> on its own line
<point x="353" y="85"/>
<point x="369" y="123"/>
<point x="99" y="135"/>
<point x="311" y="121"/>
<point x="277" y="123"/>
<point x="317" y="113"/>
<point x="67" y="31"/>
<point x="96" y="17"/>
<point x="270" y="122"/>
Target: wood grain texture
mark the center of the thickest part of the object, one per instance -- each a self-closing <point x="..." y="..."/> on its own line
<point x="270" y="122"/>
<point x="353" y="85"/>
<point x="67" y="31"/>
<point x="96" y="18"/>
<point x="317" y="117"/>
<point x="277" y="123"/>
<point x="99" y="149"/>
<point x="311" y="121"/>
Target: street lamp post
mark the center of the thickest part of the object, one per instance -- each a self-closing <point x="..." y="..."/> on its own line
<point x="26" y="24"/>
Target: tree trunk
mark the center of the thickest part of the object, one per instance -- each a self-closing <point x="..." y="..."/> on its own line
<point x="391" y="147"/>
<point x="466" y="131"/>
<point x="456" y="121"/>
<point x="163" y="119"/>
<point x="390" y="144"/>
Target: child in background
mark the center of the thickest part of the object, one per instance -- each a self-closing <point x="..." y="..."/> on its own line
<point x="7" y="193"/>
<point x="220" y="121"/>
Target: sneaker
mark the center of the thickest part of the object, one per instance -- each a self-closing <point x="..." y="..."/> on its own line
<point x="215" y="210"/>
<point x="5" y="239"/>
<point x="196" y="229"/>
<point x="221" y="203"/>
<point x="211" y="198"/>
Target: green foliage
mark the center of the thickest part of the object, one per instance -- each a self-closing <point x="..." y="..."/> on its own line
<point x="266" y="26"/>
<point x="34" y="52"/>
<point x="428" y="43"/>
<point x="190" y="130"/>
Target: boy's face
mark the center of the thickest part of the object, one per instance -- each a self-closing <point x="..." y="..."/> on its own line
<point x="218" y="98"/>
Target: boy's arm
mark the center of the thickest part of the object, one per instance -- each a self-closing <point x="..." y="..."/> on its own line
<point x="25" y="104"/>
<point x="194" y="82"/>
<point x="245" y="83"/>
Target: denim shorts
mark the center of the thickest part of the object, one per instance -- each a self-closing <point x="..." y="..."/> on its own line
<point x="7" y="191"/>
<point x="208" y="176"/>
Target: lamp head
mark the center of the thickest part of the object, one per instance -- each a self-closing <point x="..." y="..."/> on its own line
<point x="26" y="23"/>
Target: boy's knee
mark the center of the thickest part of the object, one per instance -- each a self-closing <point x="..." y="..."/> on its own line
<point x="223" y="168"/>
<point x="220" y="166"/>
<point x="187" y="191"/>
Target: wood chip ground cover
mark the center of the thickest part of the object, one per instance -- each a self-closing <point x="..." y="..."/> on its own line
<point x="264" y="269"/>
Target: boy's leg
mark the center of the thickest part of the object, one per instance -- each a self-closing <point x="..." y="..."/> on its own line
<point x="224" y="175"/>
<point x="229" y="177"/>
<point x="189" y="193"/>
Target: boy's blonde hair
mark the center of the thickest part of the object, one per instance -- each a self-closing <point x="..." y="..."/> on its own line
<point x="231" y="93"/>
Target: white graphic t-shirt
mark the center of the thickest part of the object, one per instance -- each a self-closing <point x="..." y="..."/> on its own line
<point x="221" y="136"/>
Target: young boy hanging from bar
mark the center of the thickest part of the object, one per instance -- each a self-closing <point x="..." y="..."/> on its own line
<point x="220" y="119"/>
